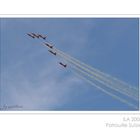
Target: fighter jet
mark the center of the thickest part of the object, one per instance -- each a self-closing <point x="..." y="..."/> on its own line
<point x="41" y="36"/>
<point x="31" y="35"/>
<point x="48" y="45"/>
<point x="64" y="65"/>
<point x="54" y="53"/>
<point x="35" y="35"/>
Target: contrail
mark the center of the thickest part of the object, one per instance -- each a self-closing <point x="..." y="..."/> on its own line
<point x="102" y="78"/>
<point x="102" y="89"/>
<point x="97" y="77"/>
<point x="81" y="73"/>
<point x="107" y="78"/>
<point x="121" y="83"/>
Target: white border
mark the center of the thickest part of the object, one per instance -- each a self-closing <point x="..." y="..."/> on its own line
<point x="73" y="112"/>
<point x="70" y="15"/>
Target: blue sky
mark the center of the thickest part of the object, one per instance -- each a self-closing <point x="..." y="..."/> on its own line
<point x="32" y="78"/>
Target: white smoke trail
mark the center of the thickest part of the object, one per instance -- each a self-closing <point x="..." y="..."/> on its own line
<point x="122" y="83"/>
<point x="83" y="72"/>
<point x="95" y="76"/>
<point x="79" y="74"/>
<point x="107" y="78"/>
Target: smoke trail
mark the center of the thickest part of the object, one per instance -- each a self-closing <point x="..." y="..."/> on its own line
<point x="99" y="72"/>
<point x="107" y="78"/>
<point x="83" y="72"/>
<point x="102" y="89"/>
<point x="95" y="76"/>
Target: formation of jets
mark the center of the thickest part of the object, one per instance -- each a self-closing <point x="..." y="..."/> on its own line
<point x="33" y="35"/>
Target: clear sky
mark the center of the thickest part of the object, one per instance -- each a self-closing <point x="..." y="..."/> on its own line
<point x="32" y="78"/>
